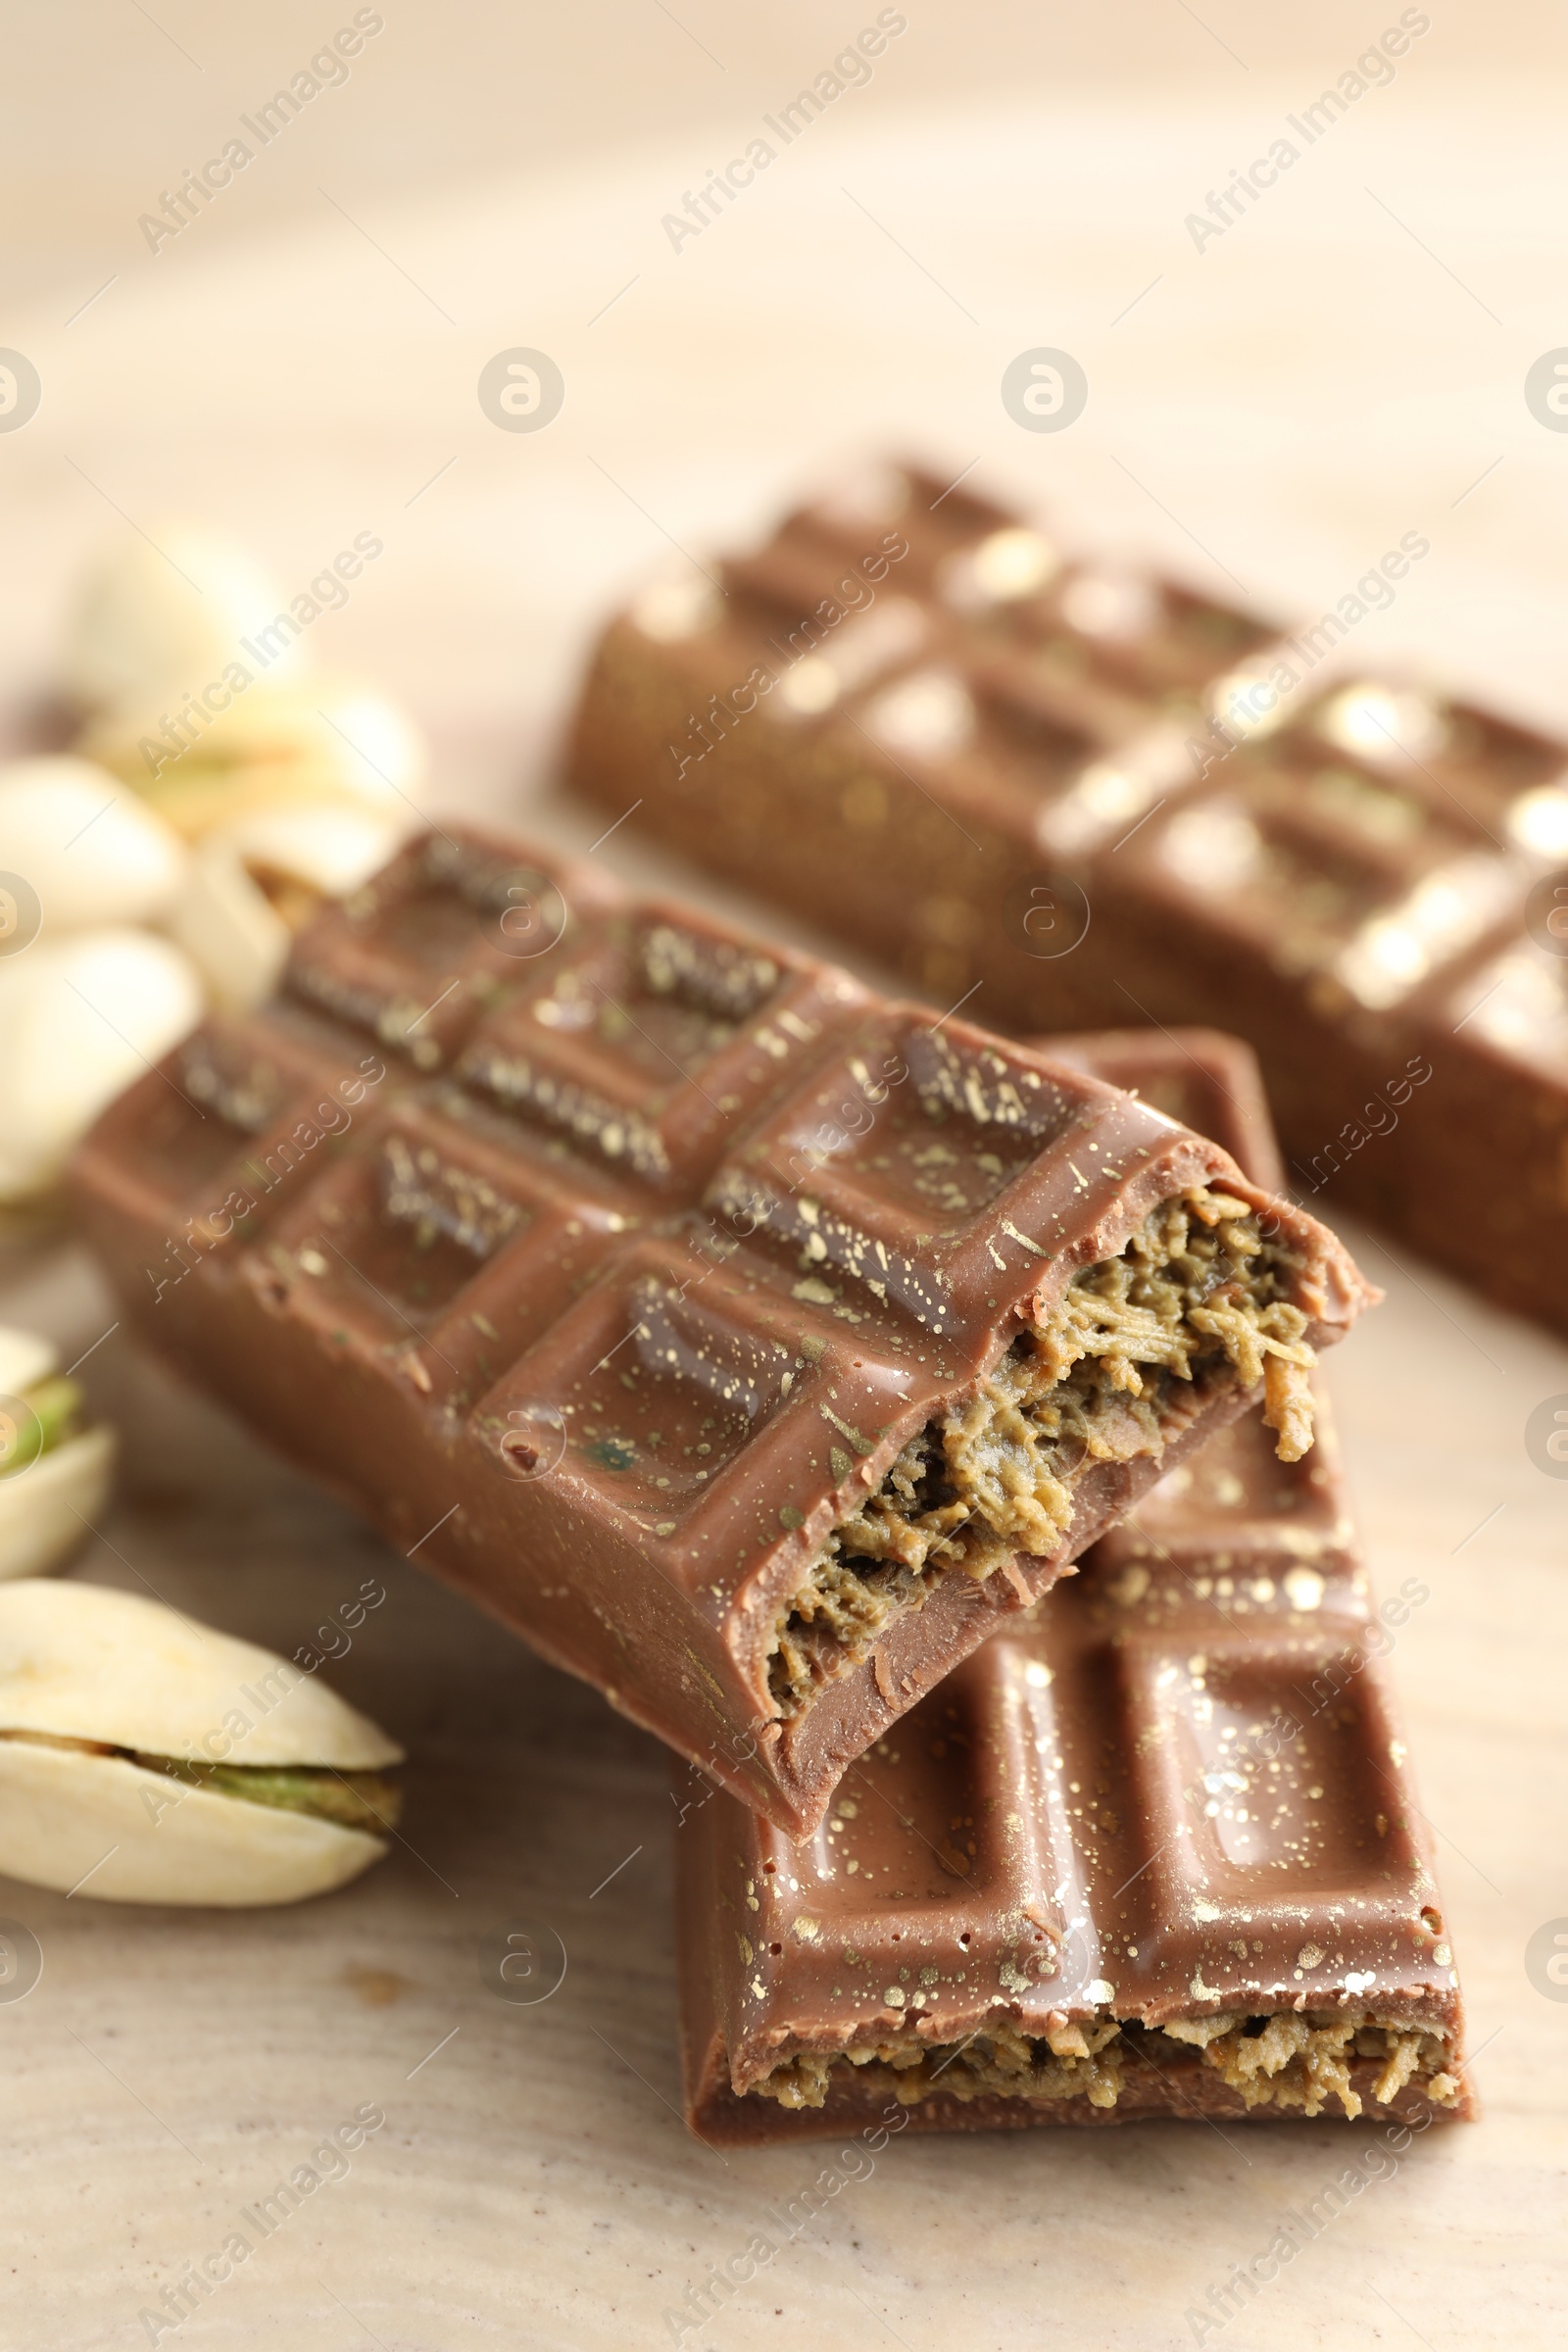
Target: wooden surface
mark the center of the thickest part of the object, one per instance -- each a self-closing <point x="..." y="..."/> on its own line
<point x="1283" y="406"/>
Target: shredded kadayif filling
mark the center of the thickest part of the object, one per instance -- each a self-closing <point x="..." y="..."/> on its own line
<point x="1286" y="2060"/>
<point x="1198" y="1297"/>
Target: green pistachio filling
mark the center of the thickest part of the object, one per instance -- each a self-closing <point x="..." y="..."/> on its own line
<point x="54" y="1409"/>
<point x="1201" y="1295"/>
<point x="358" y="1801"/>
<point x="371" y="1801"/>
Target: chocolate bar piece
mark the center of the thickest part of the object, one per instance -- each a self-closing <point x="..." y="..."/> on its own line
<point x="752" y="1344"/>
<point x="1199" y="1077"/>
<point x="1095" y="798"/>
<point x="1153" y="1851"/>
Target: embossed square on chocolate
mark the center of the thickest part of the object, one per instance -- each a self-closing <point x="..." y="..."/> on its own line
<point x="753" y="1344"/>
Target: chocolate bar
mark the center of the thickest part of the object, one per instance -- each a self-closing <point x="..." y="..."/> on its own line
<point x="1077" y="795"/>
<point x="753" y="1344"/>
<point x="1153" y="1851"/>
<point x="1199" y="1077"/>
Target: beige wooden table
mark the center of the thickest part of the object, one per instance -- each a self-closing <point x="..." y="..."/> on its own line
<point x="1283" y="406"/>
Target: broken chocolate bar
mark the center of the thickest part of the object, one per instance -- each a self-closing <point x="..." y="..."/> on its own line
<point x="1202" y="1078"/>
<point x="1096" y="797"/>
<point x="750" y="1344"/>
<point x="1153" y="1851"/>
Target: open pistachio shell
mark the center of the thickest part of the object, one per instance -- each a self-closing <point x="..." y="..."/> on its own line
<point x="43" y="1509"/>
<point x="91" y="850"/>
<point x="156" y="621"/>
<point x="79" y="1662"/>
<point x="275" y="746"/>
<point x="26" y="1358"/>
<point x="47" y="1505"/>
<point x="79" y="1018"/>
<point x="153" y="1841"/>
<point x="254" y="881"/>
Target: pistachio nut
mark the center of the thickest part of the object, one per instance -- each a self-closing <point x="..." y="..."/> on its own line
<point x="257" y="881"/>
<point x="92" y="851"/>
<point x="53" y="1473"/>
<point x="272" y="743"/>
<point x="79" y="1018"/>
<point x="146" y="1759"/>
<point x="153" y="622"/>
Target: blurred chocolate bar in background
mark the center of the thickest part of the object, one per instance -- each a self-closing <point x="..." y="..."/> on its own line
<point x="1098" y="798"/>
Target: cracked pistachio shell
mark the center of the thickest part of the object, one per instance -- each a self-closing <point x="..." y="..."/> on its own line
<point x="229" y="926"/>
<point x="43" y="1507"/>
<point x="81" y="1662"/>
<point x="155" y="622"/>
<point x="273" y="744"/>
<point x="26" y="1358"/>
<point x="79" y="1018"/>
<point x="92" y="851"/>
